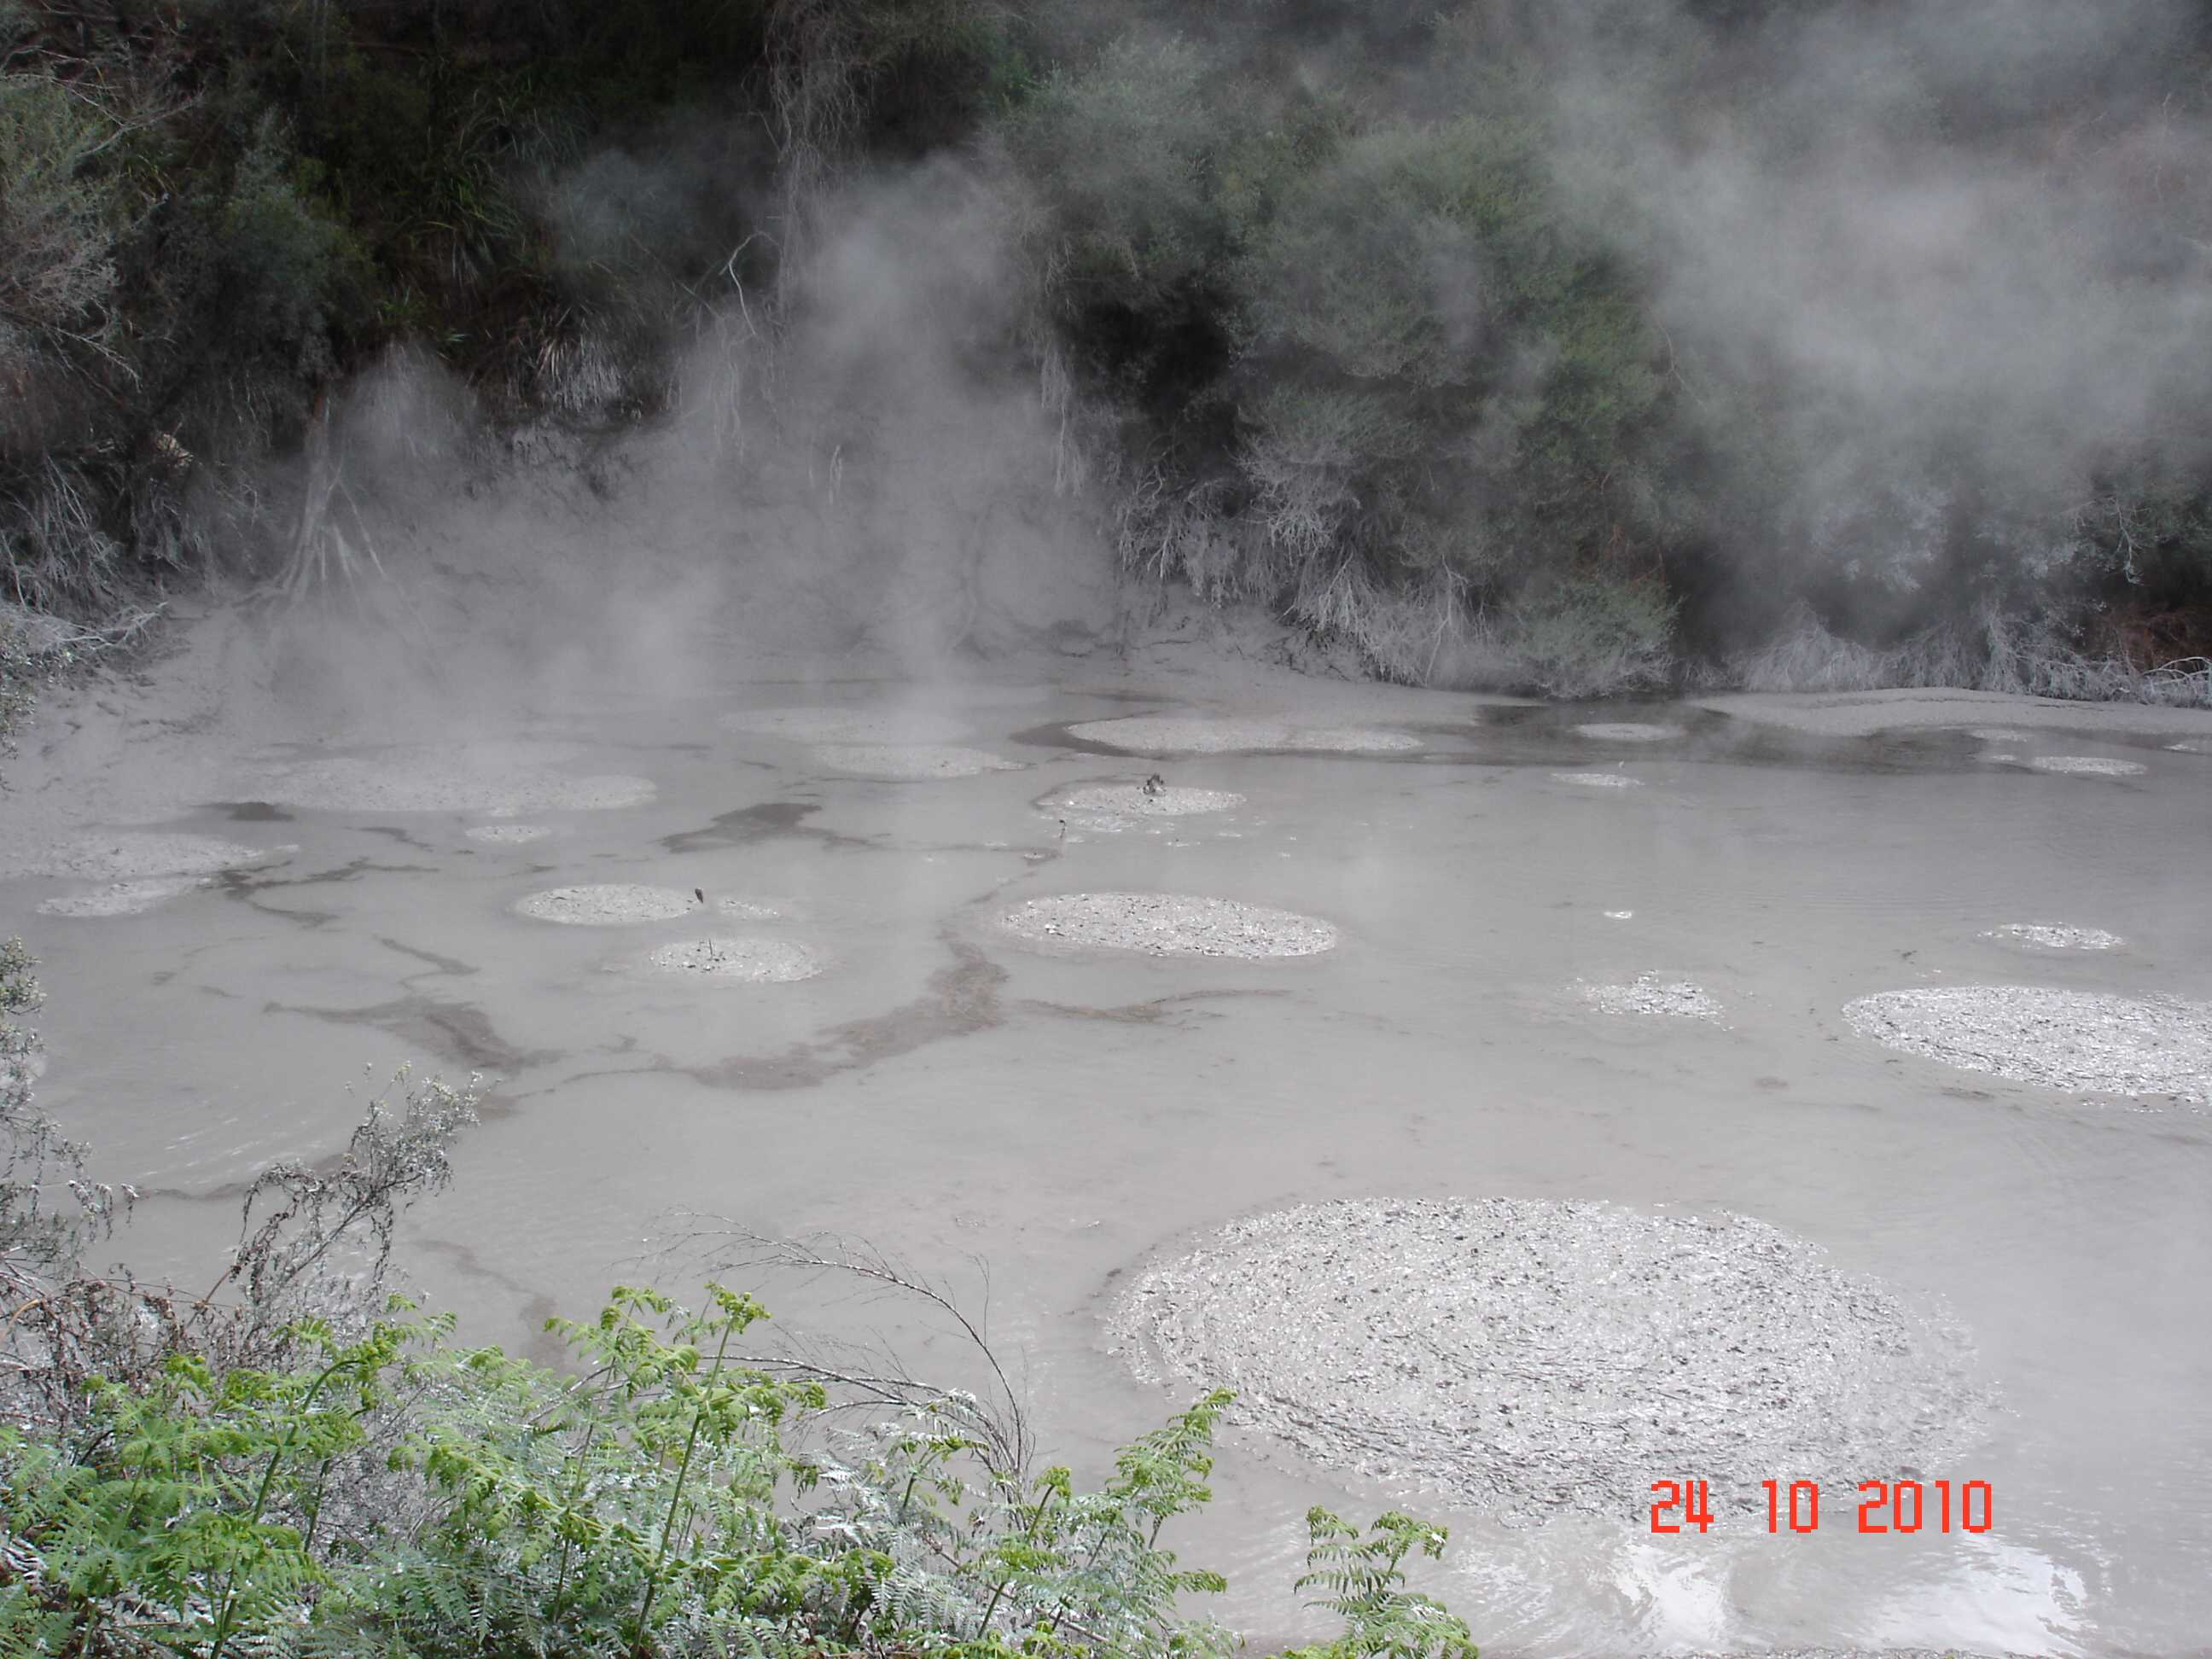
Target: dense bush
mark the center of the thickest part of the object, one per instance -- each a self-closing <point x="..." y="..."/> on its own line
<point x="1445" y="333"/>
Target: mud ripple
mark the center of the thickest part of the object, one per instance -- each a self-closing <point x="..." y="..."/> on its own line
<point x="2082" y="1041"/>
<point x="1169" y="925"/>
<point x="1532" y="1356"/>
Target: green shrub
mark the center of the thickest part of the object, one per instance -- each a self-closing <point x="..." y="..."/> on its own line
<point x="398" y="1494"/>
<point x="1591" y="634"/>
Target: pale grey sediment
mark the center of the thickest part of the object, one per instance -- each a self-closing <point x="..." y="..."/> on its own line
<point x="132" y="855"/>
<point x="1999" y="734"/>
<point x="2080" y="1041"/>
<point x="122" y="898"/>
<point x="747" y="910"/>
<point x="607" y="904"/>
<point x="1649" y="994"/>
<point x="1529" y="1357"/>
<point x="1169" y="925"/>
<point x="442" y="783"/>
<point x="2053" y="938"/>
<point x="1598" y="780"/>
<point x="508" y="835"/>
<point x="1203" y="735"/>
<point x="849" y="725"/>
<point x="904" y="763"/>
<point x="1111" y="805"/>
<point x="736" y="961"/>
<point x="1630" y="731"/>
<point x="2089" y="765"/>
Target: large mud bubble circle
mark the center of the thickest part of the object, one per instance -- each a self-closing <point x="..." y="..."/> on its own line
<point x="1527" y="1356"/>
<point x="1168" y="925"/>
<point x="2083" y="1041"/>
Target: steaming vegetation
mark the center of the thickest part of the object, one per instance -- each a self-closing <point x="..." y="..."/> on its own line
<point x="299" y="1461"/>
<point x="1497" y="340"/>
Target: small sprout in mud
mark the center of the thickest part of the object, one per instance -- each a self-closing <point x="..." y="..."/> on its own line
<point x="707" y="941"/>
<point x="1156" y="785"/>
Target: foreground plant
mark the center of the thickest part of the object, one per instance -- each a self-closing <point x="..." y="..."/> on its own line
<point x="402" y="1495"/>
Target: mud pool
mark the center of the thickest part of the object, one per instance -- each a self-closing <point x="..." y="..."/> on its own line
<point x="876" y="1056"/>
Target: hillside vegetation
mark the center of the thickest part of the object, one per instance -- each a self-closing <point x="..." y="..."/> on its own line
<point x="1812" y="344"/>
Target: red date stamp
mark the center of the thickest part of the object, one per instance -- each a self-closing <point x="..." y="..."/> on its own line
<point x="1884" y="1506"/>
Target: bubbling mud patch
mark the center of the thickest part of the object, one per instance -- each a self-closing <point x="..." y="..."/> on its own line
<point x="609" y="904"/>
<point x="1112" y="805"/>
<point x="848" y="726"/>
<point x="909" y="763"/>
<point x="736" y="961"/>
<point x="1169" y="925"/>
<point x="1530" y="1356"/>
<point x="2088" y="766"/>
<point x="444" y="783"/>
<point x="122" y="898"/>
<point x="1598" y="780"/>
<point x="2048" y="937"/>
<point x="1195" y="735"/>
<point x="133" y="855"/>
<point x="747" y="910"/>
<point x="1631" y="731"/>
<point x="1650" y="995"/>
<point x="508" y="835"/>
<point x="2080" y="1041"/>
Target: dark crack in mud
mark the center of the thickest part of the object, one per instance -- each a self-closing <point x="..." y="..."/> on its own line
<point x="458" y="1031"/>
<point x="960" y="998"/>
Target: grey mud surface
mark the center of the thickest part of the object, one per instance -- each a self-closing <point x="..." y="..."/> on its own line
<point x="1598" y="780"/>
<point x="2082" y="1041"/>
<point x="1525" y="1357"/>
<point x="1075" y="1116"/>
<point x="1168" y="925"/>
